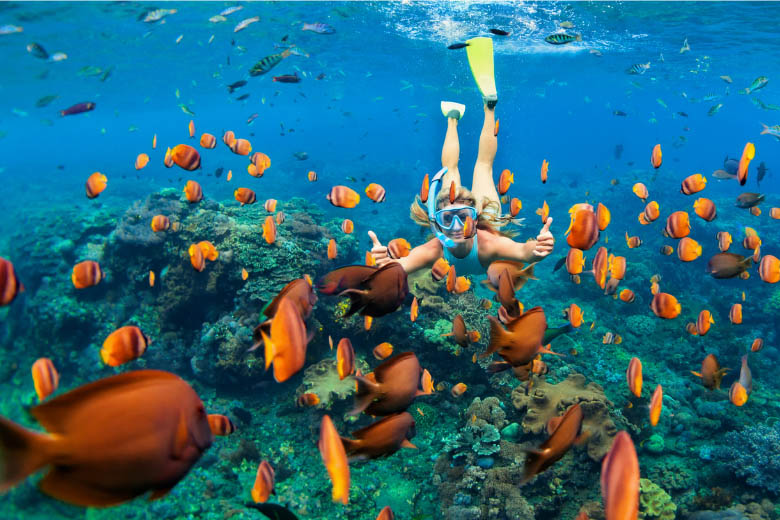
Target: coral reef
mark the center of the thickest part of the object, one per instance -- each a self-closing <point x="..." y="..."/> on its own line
<point x="322" y="378"/>
<point x="654" y="502"/>
<point x="752" y="454"/>
<point x="546" y="401"/>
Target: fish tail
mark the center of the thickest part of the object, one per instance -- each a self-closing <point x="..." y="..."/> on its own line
<point x="364" y="395"/>
<point x="350" y="445"/>
<point x="765" y="130"/>
<point x="546" y="350"/>
<point x="24" y="453"/>
<point x="497" y="335"/>
<point x="270" y="350"/>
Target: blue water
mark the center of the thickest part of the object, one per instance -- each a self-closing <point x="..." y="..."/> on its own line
<point x="375" y="117"/>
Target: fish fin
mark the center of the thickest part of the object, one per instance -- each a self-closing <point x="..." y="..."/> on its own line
<point x="560" y="263"/>
<point x="488" y="285"/>
<point x="356" y="299"/>
<point x="350" y="446"/>
<point x="447" y="334"/>
<point x="181" y="440"/>
<point x="697" y="374"/>
<point x="270" y="351"/>
<point x="366" y="391"/>
<point x="60" y="484"/>
<point x="23" y="453"/>
<point x="497" y="335"/>
<point x="406" y="444"/>
<point x="546" y="350"/>
<point x="159" y="493"/>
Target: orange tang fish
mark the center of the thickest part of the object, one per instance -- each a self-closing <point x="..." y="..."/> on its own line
<point x="160" y="223"/>
<point x="678" y="225"/>
<point x="96" y="183"/>
<point x="241" y="147"/>
<point x="197" y="259"/>
<point x="264" y="482"/>
<point x="703" y="322"/>
<point x="86" y="274"/>
<point x="705" y="209"/>
<point x="347" y="226"/>
<point x="332" y="249"/>
<point x="688" y="249"/>
<point x="744" y="162"/>
<point x="186" y="157"/>
<point x="381" y="438"/>
<point x="345" y="358"/>
<point x="545" y="168"/>
<point x="193" y="192"/>
<point x="652" y="211"/>
<point x="693" y="184"/>
<point x="665" y="305"/>
<point x="312" y="176"/>
<point x="343" y="197"/>
<point x="191" y="128"/>
<point x="656" y="157"/>
<point x="601" y="266"/>
<point x="505" y="180"/>
<point x="375" y="192"/>
<point x="285" y="348"/>
<point x="620" y="479"/>
<point x="270" y="205"/>
<point x="269" y="229"/>
<point x="123" y="345"/>
<point x="757" y="345"/>
<point x="262" y="162"/>
<point x="515" y="205"/>
<point x="634" y="376"/>
<point x="9" y="283"/>
<point x="627" y="296"/>
<point x="769" y="269"/>
<point x="656" y="403"/>
<point x="735" y="314"/>
<point x="208" y="141"/>
<point x="45" y="378"/>
<point x="335" y="458"/>
<point x="415" y="310"/>
<point x="392" y="389"/>
<point x="640" y="190"/>
<point x="737" y="394"/>
<point x="522" y="341"/>
<point x="425" y="188"/>
<point x="221" y="425"/>
<point x="245" y="196"/>
<point x="566" y="431"/>
<point x="149" y="423"/>
<point x="603" y="216"/>
<point x="711" y="373"/>
<point x="141" y="161"/>
<point x="584" y="230"/>
<point x="383" y="351"/>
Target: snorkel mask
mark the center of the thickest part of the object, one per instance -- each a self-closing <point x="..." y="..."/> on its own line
<point x="446" y="218"/>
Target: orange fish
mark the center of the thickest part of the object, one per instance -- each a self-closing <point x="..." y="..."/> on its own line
<point x="691" y="329"/>
<point x="229" y="175"/>
<point x="193" y="192"/>
<point x="345" y="358"/>
<point x="458" y="390"/>
<point x="545" y="166"/>
<point x="711" y="373"/>
<point x="245" y="196"/>
<point x="564" y="431"/>
<point x="241" y="147"/>
<point x="774" y="213"/>
<point x="575" y="261"/>
<point x="656" y="404"/>
<point x="453" y="192"/>
<point x="9" y="283"/>
<point x="285" y="348"/>
<point x="617" y="266"/>
<point x="724" y="240"/>
<point x="160" y="223"/>
<point x="705" y="209"/>
<point x="415" y="310"/>
<point x="312" y="176"/>
<point x="769" y="269"/>
<point x="440" y="269"/>
<point x="208" y="141"/>
<point x="270" y="205"/>
<point x="386" y="513"/>
<point x="469" y="227"/>
<point x="744" y="162"/>
<point x="335" y="458"/>
<point x="168" y="159"/>
<point x="158" y="431"/>
<point x="634" y="376"/>
<point x="280" y="218"/>
<point x="332" y="249"/>
<point x="209" y="251"/>
<point x="141" y="161"/>
<point x="515" y="206"/>
<point x="757" y="345"/>
<point x="254" y="171"/>
<point x="308" y="399"/>
<point x="383" y="351"/>
<point x="86" y="274"/>
<point x="574" y="314"/>
<point x="96" y="183"/>
<point x="603" y="216"/>
<point x="269" y="229"/>
<point x="495" y="134"/>
<point x="220" y="425"/>
<point x="652" y="211"/>
<point x="620" y="479"/>
<point x="186" y="157"/>
<point x="375" y="192"/>
<point x="451" y="278"/>
<point x="583" y="230"/>
<point x="688" y="249"/>
<point x="751" y="242"/>
<point x="544" y="212"/>
<point x="462" y="284"/>
<point x="343" y="197"/>
<point x="45" y="378"/>
<point x="398" y="248"/>
<point x="197" y="259"/>
<point x="191" y="128"/>
<point x="627" y="295"/>
<point x="123" y="345"/>
<point x="633" y="242"/>
<point x="505" y="181"/>
<point x="665" y="305"/>
<point x="737" y="394"/>
<point x="656" y="157"/>
<point x="703" y="322"/>
<point x="228" y="138"/>
<point x="693" y="184"/>
<point x="735" y="314"/>
<point x="347" y="226"/>
<point x="154" y="141"/>
<point x="426" y="382"/>
<point x="600" y="267"/>
<point x="667" y="250"/>
<point x="261" y="161"/>
<point x="678" y="225"/>
<point x="370" y="259"/>
<point x="367" y="322"/>
<point x="640" y="190"/>
<point x="425" y="188"/>
<point x="151" y="278"/>
<point x="755" y="211"/>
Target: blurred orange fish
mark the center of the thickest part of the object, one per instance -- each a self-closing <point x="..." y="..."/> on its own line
<point x="545" y="166"/>
<point x="332" y="249"/>
<point x="185" y="156"/>
<point x="458" y="390"/>
<point x="45" y="378"/>
<point x="193" y="192"/>
<point x="415" y="310"/>
<point x="440" y="269"/>
<point x="343" y="197"/>
<point x="245" y="196"/>
<point x="603" y="216"/>
<point x="196" y="258"/>
<point x="688" y="249"/>
<point x="375" y="192"/>
<point x="665" y="305"/>
<point x="244" y="274"/>
<point x="345" y="358"/>
<point x="151" y="278"/>
<point x="515" y="206"/>
<point x="735" y="314"/>
<point x="241" y="147"/>
<point x="141" y="161"/>
<point x="426" y="186"/>
<point x="634" y="376"/>
<point x="123" y="345"/>
<point x="678" y="225"/>
<point x="656" y="156"/>
<point x="544" y="212"/>
<point x="627" y="295"/>
<point x="96" y="183"/>
<point x="269" y="229"/>
<point x="769" y="269"/>
<point x="693" y="184"/>
<point x="308" y="399"/>
<point x="160" y="223"/>
<point x="312" y="176"/>
<point x="154" y="141"/>
<point x="705" y="209"/>
<point x="347" y="226"/>
<point x="270" y="205"/>
<point x="703" y="322"/>
<point x="744" y="162"/>
<point x="264" y="483"/>
<point x="620" y="479"/>
<point x="505" y="181"/>
<point x="208" y="141"/>
<point x="640" y="190"/>
<point x="191" y="128"/>
<point x="399" y="248"/>
<point x="335" y="458"/>
<point x="86" y="274"/>
<point x="633" y="242"/>
<point x="383" y="350"/>
<point x="220" y="425"/>
<point x="724" y="240"/>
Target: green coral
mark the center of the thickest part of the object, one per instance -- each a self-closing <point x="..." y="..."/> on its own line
<point x="425" y="416"/>
<point x="655" y="444"/>
<point x="654" y="502"/>
<point x="434" y="335"/>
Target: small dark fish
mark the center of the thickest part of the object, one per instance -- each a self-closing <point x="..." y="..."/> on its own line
<point x="630" y="163"/>
<point x="682" y="114"/>
<point x="351" y="179"/>
<point x="761" y="170"/>
<point x="273" y="511"/>
<point x="288" y="78"/>
<point x="728" y="265"/>
<point x="284" y="38"/>
<point x="731" y="165"/>
<point x="45" y="100"/>
<point x="618" y="151"/>
<point x="232" y="42"/>
<point x="218" y="172"/>
<point x="321" y="75"/>
<point x="78" y="108"/>
<point x="60" y="166"/>
<point x="499" y="32"/>
<point x="748" y="200"/>
<point x="619" y="113"/>
<point x="251" y="118"/>
<point x="106" y="74"/>
<point x="244" y="415"/>
<point x="301" y="156"/>
<point x="563" y="38"/>
<point x="236" y="85"/>
<point x="242" y="97"/>
<point x="456" y="46"/>
<point x="37" y="50"/>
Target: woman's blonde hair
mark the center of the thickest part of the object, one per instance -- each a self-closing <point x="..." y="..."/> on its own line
<point x="488" y="219"/>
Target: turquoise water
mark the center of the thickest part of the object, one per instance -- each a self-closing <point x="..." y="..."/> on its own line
<point x="374" y="117"/>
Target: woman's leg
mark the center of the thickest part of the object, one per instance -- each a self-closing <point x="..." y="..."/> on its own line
<point x="483" y="185"/>
<point x="450" y="152"/>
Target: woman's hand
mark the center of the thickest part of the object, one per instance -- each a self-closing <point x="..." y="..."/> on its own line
<point x="378" y="251"/>
<point x="544" y="241"/>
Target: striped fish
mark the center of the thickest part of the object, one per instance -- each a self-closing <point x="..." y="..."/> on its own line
<point x="563" y="38"/>
<point x="638" y="68"/>
<point x="269" y="62"/>
<point x="319" y="28"/>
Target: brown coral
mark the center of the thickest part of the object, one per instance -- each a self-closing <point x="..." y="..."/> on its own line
<point x="322" y="378"/>
<point x="546" y="401"/>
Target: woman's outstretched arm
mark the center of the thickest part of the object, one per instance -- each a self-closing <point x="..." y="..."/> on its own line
<point x="421" y="257"/>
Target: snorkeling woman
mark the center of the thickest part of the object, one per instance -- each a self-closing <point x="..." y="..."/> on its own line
<point x="471" y="251"/>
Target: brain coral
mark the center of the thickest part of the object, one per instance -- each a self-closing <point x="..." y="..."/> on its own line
<point x="546" y="401"/>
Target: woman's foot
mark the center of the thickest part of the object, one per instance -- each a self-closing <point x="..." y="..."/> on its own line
<point x="450" y="109"/>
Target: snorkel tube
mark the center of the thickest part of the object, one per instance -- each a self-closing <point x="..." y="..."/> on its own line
<point x="432" y="195"/>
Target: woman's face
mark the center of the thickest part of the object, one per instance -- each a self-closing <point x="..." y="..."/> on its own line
<point x="452" y="220"/>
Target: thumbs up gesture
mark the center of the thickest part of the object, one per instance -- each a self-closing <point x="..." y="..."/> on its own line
<point x="544" y="240"/>
<point x="378" y="251"/>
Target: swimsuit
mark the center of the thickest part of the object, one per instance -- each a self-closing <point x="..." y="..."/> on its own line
<point x="469" y="264"/>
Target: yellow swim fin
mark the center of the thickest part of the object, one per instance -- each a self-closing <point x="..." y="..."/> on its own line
<point x="480" y="55"/>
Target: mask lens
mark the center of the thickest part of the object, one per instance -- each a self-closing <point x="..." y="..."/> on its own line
<point x="446" y="217"/>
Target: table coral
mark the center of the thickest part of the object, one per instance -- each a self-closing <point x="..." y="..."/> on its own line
<point x="546" y="401"/>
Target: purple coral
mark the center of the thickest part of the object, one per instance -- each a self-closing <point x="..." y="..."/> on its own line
<point x="753" y="453"/>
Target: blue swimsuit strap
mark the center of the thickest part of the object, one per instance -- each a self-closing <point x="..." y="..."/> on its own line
<point x="469" y="264"/>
